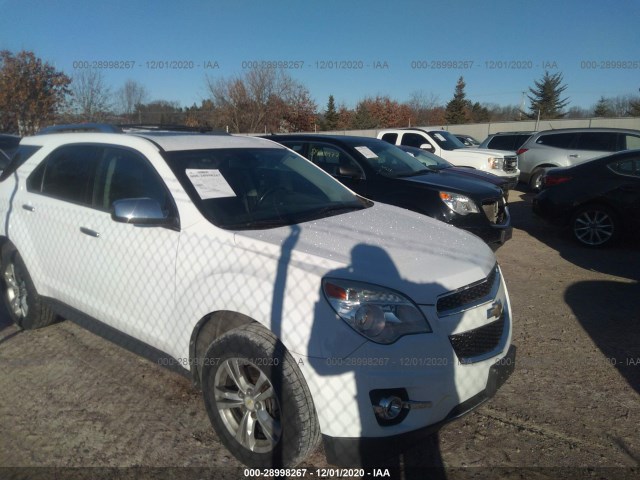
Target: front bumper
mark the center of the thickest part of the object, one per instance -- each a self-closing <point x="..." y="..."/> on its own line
<point x="369" y="451"/>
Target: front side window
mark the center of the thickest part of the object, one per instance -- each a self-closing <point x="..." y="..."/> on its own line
<point x="68" y="173"/>
<point x="125" y="174"/>
<point x="251" y="188"/>
<point x="332" y="160"/>
<point x="413" y="140"/>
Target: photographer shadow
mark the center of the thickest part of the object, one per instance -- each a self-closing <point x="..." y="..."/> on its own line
<point x="404" y="455"/>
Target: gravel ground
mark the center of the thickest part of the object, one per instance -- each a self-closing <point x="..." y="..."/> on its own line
<point x="74" y="405"/>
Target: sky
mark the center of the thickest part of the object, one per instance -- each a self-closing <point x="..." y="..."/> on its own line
<point x="350" y="49"/>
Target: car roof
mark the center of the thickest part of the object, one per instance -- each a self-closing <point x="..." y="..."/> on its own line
<point x="588" y="129"/>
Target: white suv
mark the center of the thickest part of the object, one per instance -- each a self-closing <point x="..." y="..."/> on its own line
<point x="301" y="309"/>
<point x="446" y="145"/>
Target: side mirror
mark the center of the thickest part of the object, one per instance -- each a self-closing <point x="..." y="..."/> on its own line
<point x="350" y="171"/>
<point x="426" y="146"/>
<point x="139" y="211"/>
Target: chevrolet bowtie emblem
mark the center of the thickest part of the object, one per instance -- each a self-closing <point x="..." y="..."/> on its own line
<point x="495" y="310"/>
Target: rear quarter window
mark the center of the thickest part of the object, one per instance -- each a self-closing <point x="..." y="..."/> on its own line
<point x="21" y="155"/>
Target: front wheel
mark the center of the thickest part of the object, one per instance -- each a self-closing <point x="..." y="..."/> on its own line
<point x="594" y="226"/>
<point x="25" y="306"/>
<point x="257" y="400"/>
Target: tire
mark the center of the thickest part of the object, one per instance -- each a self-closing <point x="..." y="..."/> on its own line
<point x="535" y="181"/>
<point x="25" y="306"/>
<point x="595" y="226"/>
<point x="283" y="428"/>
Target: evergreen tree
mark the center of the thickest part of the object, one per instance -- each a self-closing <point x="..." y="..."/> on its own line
<point x="545" y="97"/>
<point x="331" y="115"/>
<point x="456" y="110"/>
<point x="602" y="108"/>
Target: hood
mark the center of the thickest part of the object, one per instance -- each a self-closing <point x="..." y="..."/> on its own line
<point x="477" y="174"/>
<point x="463" y="184"/>
<point x="384" y="245"/>
<point x="488" y="152"/>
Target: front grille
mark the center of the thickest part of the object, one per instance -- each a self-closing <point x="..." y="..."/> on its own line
<point x="468" y="296"/>
<point x="478" y="341"/>
<point x="510" y="163"/>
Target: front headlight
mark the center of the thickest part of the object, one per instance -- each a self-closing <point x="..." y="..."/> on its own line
<point x="377" y="313"/>
<point x="460" y="204"/>
<point x="495" y="163"/>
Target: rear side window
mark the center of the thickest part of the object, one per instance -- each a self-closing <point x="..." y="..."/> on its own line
<point x="626" y="167"/>
<point x="558" y="140"/>
<point x="390" y="137"/>
<point x="68" y="173"/>
<point x="597" y="141"/>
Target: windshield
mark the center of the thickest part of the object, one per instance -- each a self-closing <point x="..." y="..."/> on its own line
<point x="259" y="188"/>
<point x="446" y="140"/>
<point x="429" y="160"/>
<point x="388" y="160"/>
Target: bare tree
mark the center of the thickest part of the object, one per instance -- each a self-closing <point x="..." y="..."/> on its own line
<point x="130" y="96"/>
<point x="425" y="108"/>
<point x="91" y="95"/>
<point x="261" y="99"/>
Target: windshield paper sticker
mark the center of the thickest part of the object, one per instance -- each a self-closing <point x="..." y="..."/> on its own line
<point x="440" y="137"/>
<point x="366" y="151"/>
<point x="209" y="183"/>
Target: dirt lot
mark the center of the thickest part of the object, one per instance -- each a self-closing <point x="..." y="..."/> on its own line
<point x="69" y="398"/>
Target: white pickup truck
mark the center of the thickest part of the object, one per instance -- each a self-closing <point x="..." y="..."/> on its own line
<point x="444" y="144"/>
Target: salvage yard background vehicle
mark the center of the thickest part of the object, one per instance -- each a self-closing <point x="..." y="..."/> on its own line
<point x="598" y="199"/>
<point x="569" y="146"/>
<point x="382" y="172"/>
<point x="446" y="145"/>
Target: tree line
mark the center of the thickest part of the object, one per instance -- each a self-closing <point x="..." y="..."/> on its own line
<point x="33" y="94"/>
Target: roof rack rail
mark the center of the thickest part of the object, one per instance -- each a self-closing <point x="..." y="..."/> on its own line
<point x="168" y="128"/>
<point x="80" y="127"/>
<point x="126" y="128"/>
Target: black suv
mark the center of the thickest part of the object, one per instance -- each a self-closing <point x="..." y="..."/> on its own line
<point x="382" y="172"/>
<point x="510" y="141"/>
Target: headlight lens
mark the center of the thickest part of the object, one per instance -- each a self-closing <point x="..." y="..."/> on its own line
<point x="460" y="204"/>
<point x="377" y="313"/>
<point x="495" y="163"/>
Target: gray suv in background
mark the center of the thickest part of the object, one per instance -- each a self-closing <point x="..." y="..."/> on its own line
<point x="568" y="146"/>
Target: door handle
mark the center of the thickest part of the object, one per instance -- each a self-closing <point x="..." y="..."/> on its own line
<point x="574" y="155"/>
<point x="29" y="208"/>
<point x="91" y="233"/>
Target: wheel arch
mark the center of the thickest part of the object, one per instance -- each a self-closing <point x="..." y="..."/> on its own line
<point x="210" y="327"/>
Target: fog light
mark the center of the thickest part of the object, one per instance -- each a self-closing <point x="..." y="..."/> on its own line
<point x="389" y="408"/>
